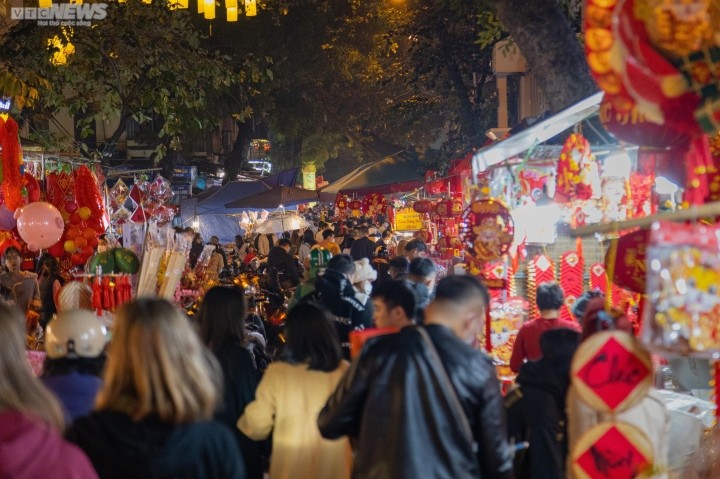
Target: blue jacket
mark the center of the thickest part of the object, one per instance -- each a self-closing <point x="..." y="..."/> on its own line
<point x="76" y="392"/>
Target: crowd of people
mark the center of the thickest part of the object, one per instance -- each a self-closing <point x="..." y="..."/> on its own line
<point x="174" y="396"/>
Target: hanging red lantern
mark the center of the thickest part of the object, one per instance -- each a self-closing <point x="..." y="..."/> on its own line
<point x="436" y="187"/>
<point x="449" y="208"/>
<point x="423" y="206"/>
<point x="487" y="229"/>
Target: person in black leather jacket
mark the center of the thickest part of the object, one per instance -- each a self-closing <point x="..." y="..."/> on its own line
<point x="393" y="401"/>
<point x="335" y="292"/>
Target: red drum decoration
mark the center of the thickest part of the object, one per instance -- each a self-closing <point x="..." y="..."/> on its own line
<point x="374" y="204"/>
<point x="449" y="208"/>
<point x="423" y="206"/>
<point x="487" y="229"/>
<point x="355" y="205"/>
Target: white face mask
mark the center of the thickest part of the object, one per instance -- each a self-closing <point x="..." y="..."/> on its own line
<point x="367" y="287"/>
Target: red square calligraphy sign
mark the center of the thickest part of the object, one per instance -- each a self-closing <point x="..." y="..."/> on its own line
<point x="612" y="456"/>
<point x="613" y="373"/>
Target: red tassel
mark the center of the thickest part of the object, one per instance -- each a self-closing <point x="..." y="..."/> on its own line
<point x="97" y="295"/>
<point x="579" y="247"/>
<point x="488" y="331"/>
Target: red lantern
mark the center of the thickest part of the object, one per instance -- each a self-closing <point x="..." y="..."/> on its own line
<point x="423" y="206"/>
<point x="355" y="205"/>
<point x="487" y="229"/>
<point x="449" y="208"/>
<point x="436" y="187"/>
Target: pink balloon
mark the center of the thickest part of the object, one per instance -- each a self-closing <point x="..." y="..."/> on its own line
<point x="7" y="220"/>
<point x="40" y="225"/>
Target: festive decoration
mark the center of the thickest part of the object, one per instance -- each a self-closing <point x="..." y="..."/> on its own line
<point x="598" y="278"/>
<point x="486" y="229"/>
<point x="611" y="371"/>
<point x="506" y="318"/>
<point x="540" y="270"/>
<point x="571" y="280"/>
<point x="374" y="204"/>
<point x="39" y="224"/>
<point x="342" y="202"/>
<point x="11" y="158"/>
<point x="7" y="218"/>
<point x="612" y="450"/>
<point x="683" y="310"/>
<point x="423" y="206"/>
<point x="355" y="205"/>
<point x="629" y="263"/>
<point x="449" y="208"/>
<point x="577" y="171"/>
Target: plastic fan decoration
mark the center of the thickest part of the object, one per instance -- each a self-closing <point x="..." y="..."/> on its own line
<point x="486" y="230"/>
<point x="342" y="202"/>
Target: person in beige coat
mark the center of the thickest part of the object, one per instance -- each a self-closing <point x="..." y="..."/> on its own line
<point x="215" y="265"/>
<point x="290" y="396"/>
<point x="650" y="415"/>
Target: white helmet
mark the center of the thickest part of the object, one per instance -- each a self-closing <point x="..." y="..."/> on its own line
<point x="78" y="333"/>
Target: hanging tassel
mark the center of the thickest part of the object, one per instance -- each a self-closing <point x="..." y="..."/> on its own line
<point x="579" y="247"/>
<point x="488" y="331"/>
<point x="97" y="295"/>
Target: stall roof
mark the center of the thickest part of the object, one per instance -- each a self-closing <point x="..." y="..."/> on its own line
<point x="389" y="175"/>
<point x="234" y="190"/>
<point x="536" y="134"/>
<point x="271" y="199"/>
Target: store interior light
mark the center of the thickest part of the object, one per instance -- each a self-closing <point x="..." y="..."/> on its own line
<point x="663" y="186"/>
<point x="196" y="222"/>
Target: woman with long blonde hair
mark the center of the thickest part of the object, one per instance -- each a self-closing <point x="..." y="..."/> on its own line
<point x="153" y="414"/>
<point x="31" y="419"/>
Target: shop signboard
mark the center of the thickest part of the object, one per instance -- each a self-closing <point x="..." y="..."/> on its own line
<point x="407" y="219"/>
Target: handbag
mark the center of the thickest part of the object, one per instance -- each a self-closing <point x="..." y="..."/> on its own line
<point x="442" y="375"/>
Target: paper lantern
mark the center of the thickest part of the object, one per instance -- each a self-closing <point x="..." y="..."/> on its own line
<point x="449" y="208"/>
<point x="209" y="9"/>
<point x="423" y="206"/>
<point x="250" y="8"/>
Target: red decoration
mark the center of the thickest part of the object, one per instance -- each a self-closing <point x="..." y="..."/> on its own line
<point x="11" y="156"/>
<point x="629" y="267"/>
<point x="88" y="195"/>
<point x="541" y="269"/>
<point x="374" y="204"/>
<point x="355" y="205"/>
<point x="572" y="170"/>
<point x="613" y="373"/>
<point x="572" y="267"/>
<point x="598" y="277"/>
<point x="449" y="208"/>
<point x="632" y="126"/>
<point x="612" y="455"/>
<point x="486" y="230"/>
<point x="423" y="206"/>
<point x="342" y="202"/>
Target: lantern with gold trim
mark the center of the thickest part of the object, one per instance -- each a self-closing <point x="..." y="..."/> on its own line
<point x="449" y="208"/>
<point x="342" y="202"/>
<point x="423" y="206"/>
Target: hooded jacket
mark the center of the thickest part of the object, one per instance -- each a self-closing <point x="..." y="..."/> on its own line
<point x="334" y="291"/>
<point x="536" y="413"/>
<point x="283" y="263"/>
<point x="150" y="449"/>
<point x="31" y="449"/>
<point x="393" y="401"/>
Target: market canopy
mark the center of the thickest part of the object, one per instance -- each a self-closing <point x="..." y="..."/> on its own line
<point x="232" y="191"/>
<point x="536" y="134"/>
<point x="389" y="175"/>
<point x="271" y="199"/>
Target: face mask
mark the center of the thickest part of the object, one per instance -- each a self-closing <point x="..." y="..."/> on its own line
<point x="367" y="288"/>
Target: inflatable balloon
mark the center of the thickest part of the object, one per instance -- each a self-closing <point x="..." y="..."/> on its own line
<point x="7" y="220"/>
<point x="39" y="224"/>
<point x="71" y="207"/>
